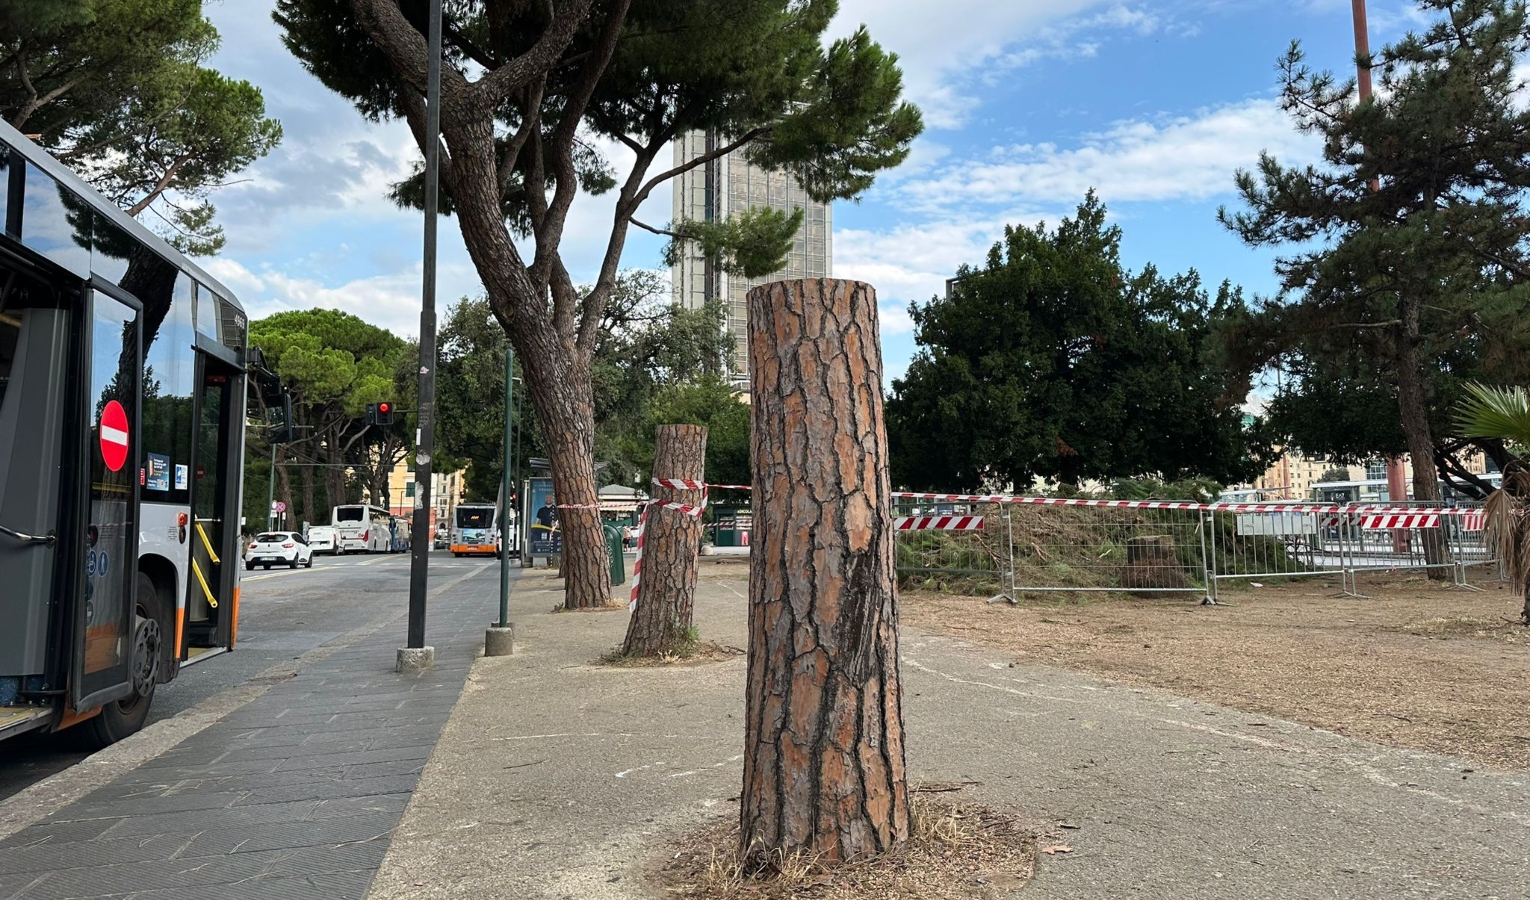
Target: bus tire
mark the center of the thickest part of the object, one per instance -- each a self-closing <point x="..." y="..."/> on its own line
<point x="121" y="718"/>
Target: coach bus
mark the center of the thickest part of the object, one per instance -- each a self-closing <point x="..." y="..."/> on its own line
<point x="122" y="415"/>
<point x="362" y="529"/>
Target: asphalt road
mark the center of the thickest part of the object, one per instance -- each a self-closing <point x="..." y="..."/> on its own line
<point x="283" y="614"/>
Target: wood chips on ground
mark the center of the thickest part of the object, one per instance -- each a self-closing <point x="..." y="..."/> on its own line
<point x="957" y="851"/>
<point x="1416" y="665"/>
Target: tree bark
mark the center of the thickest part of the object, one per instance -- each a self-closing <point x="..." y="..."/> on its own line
<point x="1415" y="425"/>
<point x="568" y="424"/>
<point x="310" y="514"/>
<point x="671" y="542"/>
<point x="823" y="749"/>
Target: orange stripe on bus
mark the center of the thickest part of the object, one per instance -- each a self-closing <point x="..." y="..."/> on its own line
<point x="180" y="624"/>
<point x="74" y="718"/>
<point x="233" y="622"/>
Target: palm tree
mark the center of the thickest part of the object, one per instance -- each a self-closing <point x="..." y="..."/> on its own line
<point x="1504" y="413"/>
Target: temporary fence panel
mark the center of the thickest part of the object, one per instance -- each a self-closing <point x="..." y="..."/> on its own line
<point x="1272" y="544"/>
<point x="947" y="546"/>
<point x="1107" y="549"/>
<point x="1048" y="544"/>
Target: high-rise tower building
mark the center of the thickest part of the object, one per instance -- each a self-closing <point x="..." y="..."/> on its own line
<point x="725" y="188"/>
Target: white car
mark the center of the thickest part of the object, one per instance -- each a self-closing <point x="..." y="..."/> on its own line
<point x="273" y="548"/>
<point x="323" y="539"/>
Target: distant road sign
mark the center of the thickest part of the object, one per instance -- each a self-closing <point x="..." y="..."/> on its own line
<point x="278" y="507"/>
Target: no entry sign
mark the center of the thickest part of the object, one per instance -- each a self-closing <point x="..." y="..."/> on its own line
<point x="114" y="436"/>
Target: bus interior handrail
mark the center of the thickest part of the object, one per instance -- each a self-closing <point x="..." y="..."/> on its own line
<point x="22" y="536"/>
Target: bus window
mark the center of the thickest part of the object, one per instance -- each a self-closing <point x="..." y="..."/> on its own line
<point x="207" y="312"/>
<point x="56" y="223"/>
<point x="475" y="517"/>
<point x="350" y="514"/>
<point x="110" y="551"/>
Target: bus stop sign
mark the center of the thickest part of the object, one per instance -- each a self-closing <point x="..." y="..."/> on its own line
<point x="114" y="436"/>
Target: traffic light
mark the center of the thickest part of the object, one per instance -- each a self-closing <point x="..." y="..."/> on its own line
<point x="380" y="413"/>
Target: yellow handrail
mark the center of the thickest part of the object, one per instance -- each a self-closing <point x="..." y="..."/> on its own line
<point x="208" y="544"/>
<point x="206" y="591"/>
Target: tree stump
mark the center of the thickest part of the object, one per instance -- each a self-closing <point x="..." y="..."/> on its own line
<point x="1152" y="563"/>
<point x="823" y="751"/>
<point x="672" y="539"/>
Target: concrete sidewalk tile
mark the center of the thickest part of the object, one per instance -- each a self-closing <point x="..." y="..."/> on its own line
<point x="296" y="794"/>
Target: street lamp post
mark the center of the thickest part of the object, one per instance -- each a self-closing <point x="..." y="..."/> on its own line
<point x="415" y="655"/>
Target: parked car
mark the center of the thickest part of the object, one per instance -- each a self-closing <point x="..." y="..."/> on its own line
<point x="273" y="548"/>
<point x="324" y="539"/>
<point x="443" y="539"/>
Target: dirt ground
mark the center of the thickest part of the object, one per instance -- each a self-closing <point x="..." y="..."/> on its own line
<point x="1414" y="666"/>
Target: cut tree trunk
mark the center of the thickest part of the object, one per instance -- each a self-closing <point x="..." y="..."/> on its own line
<point x="671" y="542"/>
<point x="823" y="750"/>
<point x="1152" y="563"/>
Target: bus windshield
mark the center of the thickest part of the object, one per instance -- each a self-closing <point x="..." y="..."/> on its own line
<point x="349" y="513"/>
<point x="475" y="517"/>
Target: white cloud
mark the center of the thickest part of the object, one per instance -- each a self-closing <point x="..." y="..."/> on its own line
<point x="389" y="300"/>
<point x="233" y="274"/>
<point x="911" y="262"/>
<point x="1183" y="158"/>
<point x="938" y="42"/>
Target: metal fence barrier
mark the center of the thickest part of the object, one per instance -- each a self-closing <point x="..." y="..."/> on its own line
<point x="1035" y="545"/>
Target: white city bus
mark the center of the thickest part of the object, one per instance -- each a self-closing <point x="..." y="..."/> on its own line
<point x="362" y="529"/>
<point x="122" y="417"/>
<point x="475" y="529"/>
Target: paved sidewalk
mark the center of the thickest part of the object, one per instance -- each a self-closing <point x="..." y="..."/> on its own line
<point x="559" y="779"/>
<point x="295" y="794"/>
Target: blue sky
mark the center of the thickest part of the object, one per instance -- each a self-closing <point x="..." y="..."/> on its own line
<point x="1028" y="104"/>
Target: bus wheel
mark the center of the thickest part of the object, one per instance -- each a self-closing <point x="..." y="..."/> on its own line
<point x="126" y="716"/>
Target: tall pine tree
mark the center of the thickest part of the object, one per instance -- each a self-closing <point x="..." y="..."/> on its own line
<point x="1406" y="248"/>
<point x="526" y="86"/>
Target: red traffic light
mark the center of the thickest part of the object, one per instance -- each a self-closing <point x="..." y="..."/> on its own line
<point x="384" y="407"/>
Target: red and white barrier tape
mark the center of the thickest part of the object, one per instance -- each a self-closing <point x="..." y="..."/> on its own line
<point x="1415" y="520"/>
<point x="938" y="523"/>
<point x="1377" y="509"/>
<point x="685" y="508"/>
<point x="685" y="484"/>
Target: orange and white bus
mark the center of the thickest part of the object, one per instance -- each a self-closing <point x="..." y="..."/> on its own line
<point x="122" y="416"/>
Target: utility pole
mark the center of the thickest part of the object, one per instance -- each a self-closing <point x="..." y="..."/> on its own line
<point x="416" y="656"/>
<point x="499" y="639"/>
<point x="271" y="492"/>
<point x="507" y="485"/>
<point x="1397" y="473"/>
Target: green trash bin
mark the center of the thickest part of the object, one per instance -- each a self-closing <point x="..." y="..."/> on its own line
<point x="614" y="552"/>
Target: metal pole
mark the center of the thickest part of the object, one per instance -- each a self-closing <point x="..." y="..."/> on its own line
<point x="1362" y="50"/>
<point x="507" y="481"/>
<point x="271" y="492"/>
<point x="419" y="552"/>
<point x="521" y="524"/>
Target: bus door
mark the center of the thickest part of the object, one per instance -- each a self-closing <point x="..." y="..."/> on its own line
<point x="39" y="358"/>
<point x="211" y="602"/>
<point x="107" y="626"/>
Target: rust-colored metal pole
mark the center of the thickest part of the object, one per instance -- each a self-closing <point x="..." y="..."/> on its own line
<point x="1397" y="473"/>
<point x="1362" y="50"/>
